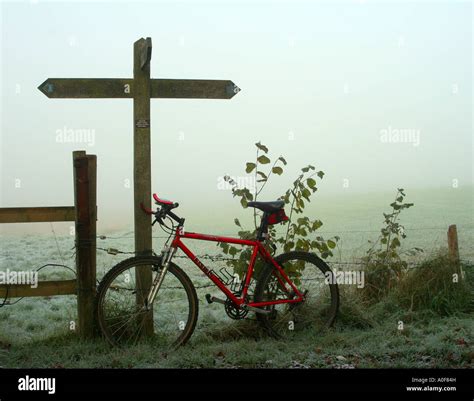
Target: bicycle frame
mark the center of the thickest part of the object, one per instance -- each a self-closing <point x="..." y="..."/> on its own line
<point x="257" y="249"/>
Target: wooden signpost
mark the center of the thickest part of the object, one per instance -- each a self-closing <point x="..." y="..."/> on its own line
<point x="141" y="89"/>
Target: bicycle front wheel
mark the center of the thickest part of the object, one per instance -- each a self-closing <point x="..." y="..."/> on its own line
<point x="313" y="278"/>
<point x="169" y="322"/>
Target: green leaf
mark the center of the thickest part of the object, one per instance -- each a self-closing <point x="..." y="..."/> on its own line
<point x="305" y="169"/>
<point x="331" y="244"/>
<point x="395" y="243"/>
<point x="288" y="246"/>
<point x="277" y="170"/>
<point x="263" y="175"/>
<point x="306" y="193"/>
<point x="299" y="243"/>
<point x="237" y="222"/>
<point x="229" y="179"/>
<point x="282" y="160"/>
<point x="243" y="202"/>
<point x="263" y="159"/>
<point x="248" y="195"/>
<point x="320" y="174"/>
<point x="311" y="183"/>
<point x="303" y="221"/>
<point x="225" y="247"/>
<point x="261" y="147"/>
<point x="317" y="224"/>
<point x="250" y="167"/>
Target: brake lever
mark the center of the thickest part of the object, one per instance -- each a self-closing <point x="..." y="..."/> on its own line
<point x="158" y="218"/>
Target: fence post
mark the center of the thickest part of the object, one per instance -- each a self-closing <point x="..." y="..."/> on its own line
<point x="85" y="202"/>
<point x="453" y="247"/>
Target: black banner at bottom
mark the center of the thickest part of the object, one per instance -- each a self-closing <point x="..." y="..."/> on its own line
<point x="233" y="384"/>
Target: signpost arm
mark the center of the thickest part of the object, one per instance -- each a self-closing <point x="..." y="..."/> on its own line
<point x="142" y="168"/>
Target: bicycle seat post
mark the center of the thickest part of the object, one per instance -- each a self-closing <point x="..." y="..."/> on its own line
<point x="262" y="232"/>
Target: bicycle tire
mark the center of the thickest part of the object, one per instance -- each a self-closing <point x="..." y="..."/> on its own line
<point x="264" y="281"/>
<point x="174" y="270"/>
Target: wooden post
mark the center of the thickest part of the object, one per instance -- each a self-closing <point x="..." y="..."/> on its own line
<point x="85" y="201"/>
<point x="142" y="168"/>
<point x="453" y="247"/>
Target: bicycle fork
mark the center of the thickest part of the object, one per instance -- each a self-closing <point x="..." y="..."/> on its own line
<point x="167" y="255"/>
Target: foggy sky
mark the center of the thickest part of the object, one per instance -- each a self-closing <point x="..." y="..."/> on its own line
<point x="377" y="96"/>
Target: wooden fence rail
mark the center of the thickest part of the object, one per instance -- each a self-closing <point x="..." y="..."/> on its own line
<point x="37" y="214"/>
<point x="44" y="289"/>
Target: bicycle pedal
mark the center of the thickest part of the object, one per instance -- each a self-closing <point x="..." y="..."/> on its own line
<point x="210" y="299"/>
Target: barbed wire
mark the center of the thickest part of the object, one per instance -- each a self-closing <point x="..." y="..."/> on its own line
<point x="214" y="258"/>
<point x="128" y="236"/>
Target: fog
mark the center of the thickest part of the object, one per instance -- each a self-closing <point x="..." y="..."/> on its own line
<point x="377" y="96"/>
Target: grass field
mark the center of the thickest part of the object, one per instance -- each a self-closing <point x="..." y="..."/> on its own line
<point x="438" y="326"/>
<point x="363" y="337"/>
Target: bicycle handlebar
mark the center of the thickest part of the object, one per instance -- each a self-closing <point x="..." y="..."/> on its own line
<point x="162" y="201"/>
<point x="165" y="209"/>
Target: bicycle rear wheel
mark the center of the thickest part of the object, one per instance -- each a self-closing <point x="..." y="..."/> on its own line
<point x="124" y="321"/>
<point x="310" y="275"/>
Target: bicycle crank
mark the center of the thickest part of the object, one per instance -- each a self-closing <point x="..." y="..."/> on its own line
<point x="210" y="299"/>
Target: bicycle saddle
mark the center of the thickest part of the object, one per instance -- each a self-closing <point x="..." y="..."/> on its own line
<point x="269" y="207"/>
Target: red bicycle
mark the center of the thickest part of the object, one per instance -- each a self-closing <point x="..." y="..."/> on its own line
<point x="150" y="294"/>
